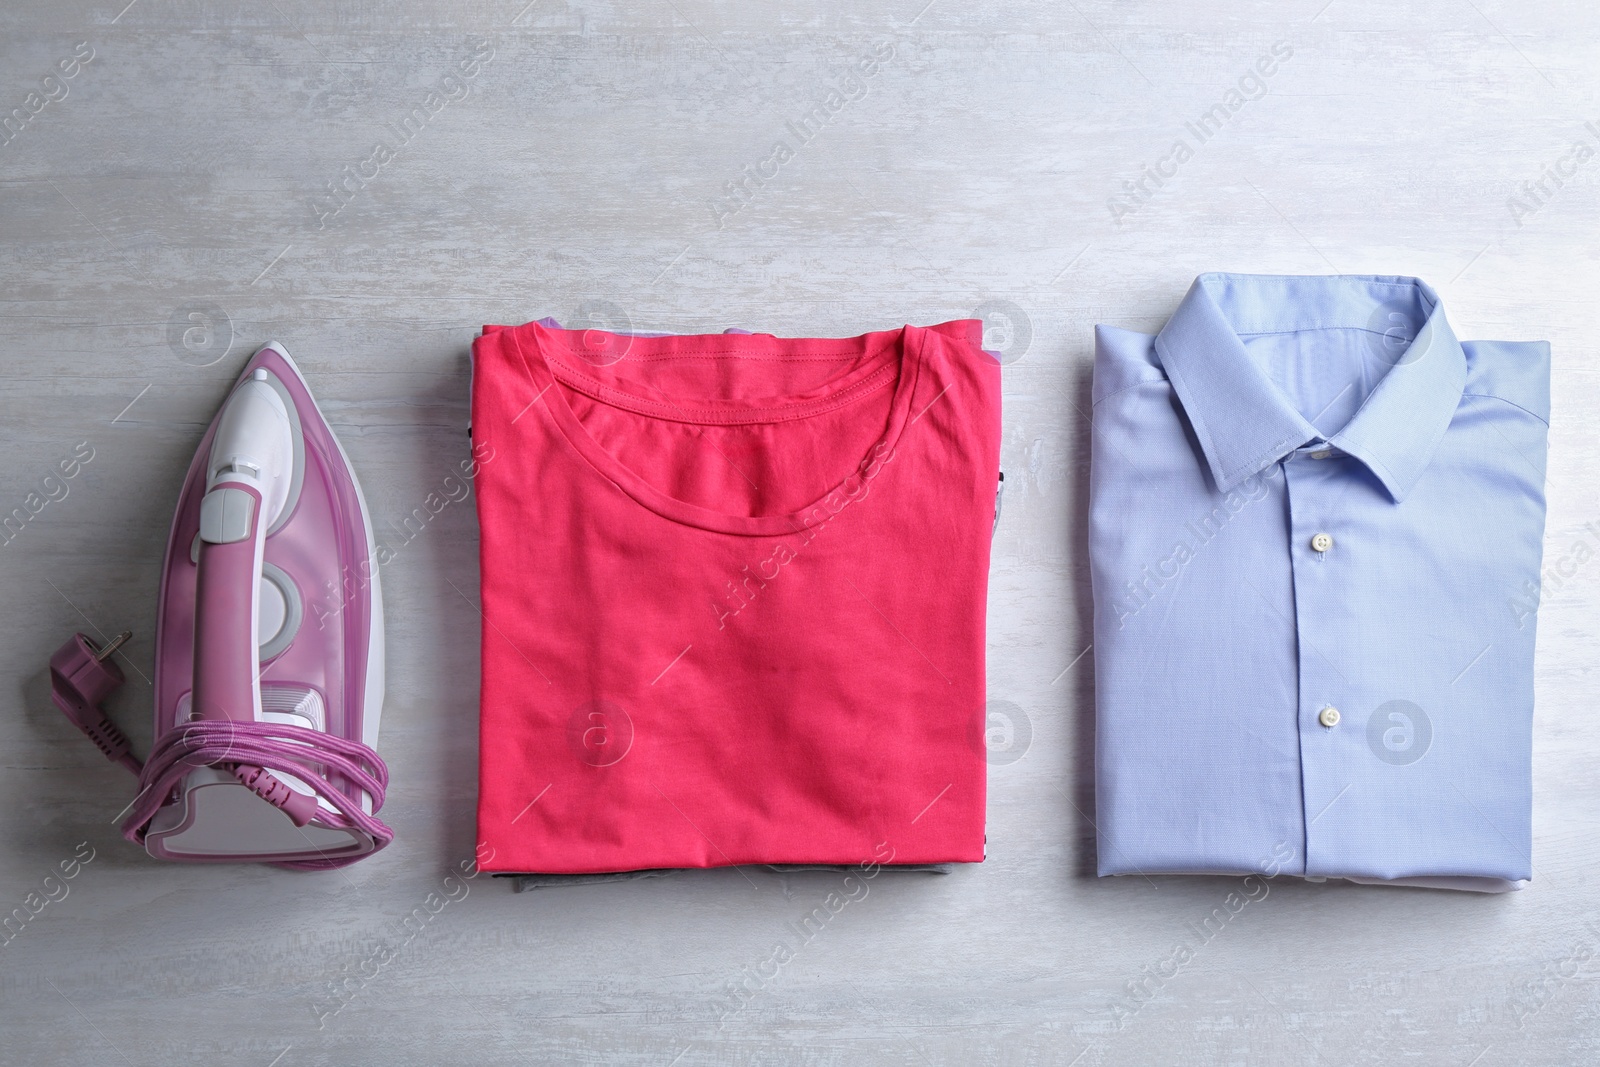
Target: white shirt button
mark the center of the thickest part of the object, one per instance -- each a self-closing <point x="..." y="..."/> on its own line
<point x="1322" y="453"/>
<point x="1328" y="717"/>
<point x="1322" y="542"/>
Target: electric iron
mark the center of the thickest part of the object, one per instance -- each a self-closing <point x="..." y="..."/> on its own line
<point x="269" y="648"/>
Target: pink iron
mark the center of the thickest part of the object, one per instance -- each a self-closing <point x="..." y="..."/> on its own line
<point x="269" y="647"/>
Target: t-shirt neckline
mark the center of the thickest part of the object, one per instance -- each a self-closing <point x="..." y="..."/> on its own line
<point x="547" y="356"/>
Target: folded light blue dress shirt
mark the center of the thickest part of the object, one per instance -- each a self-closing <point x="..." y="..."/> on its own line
<point x="1315" y="529"/>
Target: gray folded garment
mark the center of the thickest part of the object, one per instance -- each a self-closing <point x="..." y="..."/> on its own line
<point x="525" y="882"/>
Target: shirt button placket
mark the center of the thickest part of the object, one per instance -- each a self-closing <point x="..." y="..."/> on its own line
<point x="1315" y="560"/>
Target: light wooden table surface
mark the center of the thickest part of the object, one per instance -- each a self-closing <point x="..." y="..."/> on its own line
<point x="996" y="160"/>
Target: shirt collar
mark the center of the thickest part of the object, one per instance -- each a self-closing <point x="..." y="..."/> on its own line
<point x="1243" y="421"/>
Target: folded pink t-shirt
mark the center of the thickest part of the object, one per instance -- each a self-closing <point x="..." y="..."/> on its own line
<point x="733" y="592"/>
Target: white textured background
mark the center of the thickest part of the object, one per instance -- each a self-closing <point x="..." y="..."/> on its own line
<point x="178" y="173"/>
